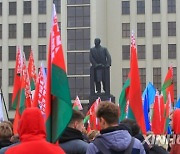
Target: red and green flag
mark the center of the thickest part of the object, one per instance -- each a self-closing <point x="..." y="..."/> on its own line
<point x="17" y="79"/>
<point x="58" y="100"/>
<point x="168" y="85"/>
<point x="25" y="95"/>
<point x="91" y="116"/>
<point x="123" y="100"/>
<point x="77" y="104"/>
<point x="87" y="117"/>
<point x="32" y="71"/>
<point x="167" y="112"/>
<point x="135" y="101"/>
<point x="39" y="99"/>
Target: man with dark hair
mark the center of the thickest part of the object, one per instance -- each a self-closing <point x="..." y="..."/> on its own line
<point x="133" y="125"/>
<point x="72" y="140"/>
<point x="135" y="129"/>
<point x="113" y="138"/>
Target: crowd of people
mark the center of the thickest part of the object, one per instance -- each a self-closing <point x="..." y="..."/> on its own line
<point x="115" y="137"/>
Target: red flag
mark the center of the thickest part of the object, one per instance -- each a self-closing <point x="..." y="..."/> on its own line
<point x="158" y="115"/>
<point x="40" y="91"/>
<point x="77" y="104"/>
<point x="92" y="115"/>
<point x="135" y="100"/>
<point x="25" y="96"/>
<point x="16" y="120"/>
<point x="32" y="71"/>
<point x="17" y="79"/>
<point x="167" y="112"/>
<point x="58" y="107"/>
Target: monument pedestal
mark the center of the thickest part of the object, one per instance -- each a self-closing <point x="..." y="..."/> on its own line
<point x="105" y="96"/>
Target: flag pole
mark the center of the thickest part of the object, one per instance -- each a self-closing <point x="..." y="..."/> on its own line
<point x="2" y="98"/>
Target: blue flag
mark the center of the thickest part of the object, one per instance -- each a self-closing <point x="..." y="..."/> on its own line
<point x="148" y="96"/>
<point x="150" y="91"/>
<point x="146" y="113"/>
<point x="169" y="131"/>
<point x="177" y="104"/>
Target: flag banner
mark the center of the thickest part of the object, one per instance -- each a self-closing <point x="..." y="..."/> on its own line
<point x="135" y="101"/>
<point x="25" y="95"/>
<point x="32" y="71"/>
<point x="123" y="99"/>
<point x="148" y="99"/>
<point x="58" y="100"/>
<point x="168" y="85"/>
<point x="86" y="119"/>
<point x="77" y="104"/>
<point x="158" y="115"/>
<point x="177" y="104"/>
<point x="167" y="111"/>
<point x="17" y="79"/>
<point x="91" y="115"/>
<point x="150" y="92"/>
<point x="40" y="91"/>
<point x="146" y="113"/>
<point x="16" y="120"/>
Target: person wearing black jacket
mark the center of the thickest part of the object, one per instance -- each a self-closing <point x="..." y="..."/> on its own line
<point x="72" y="140"/>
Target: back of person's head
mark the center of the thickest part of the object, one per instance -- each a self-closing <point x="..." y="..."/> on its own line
<point x="31" y="123"/>
<point x="133" y="126"/>
<point x="176" y="121"/>
<point x="5" y="131"/>
<point x="76" y="116"/>
<point x="109" y="112"/>
<point x="9" y="123"/>
<point x="77" y="120"/>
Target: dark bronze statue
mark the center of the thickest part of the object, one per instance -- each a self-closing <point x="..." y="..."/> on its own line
<point x="100" y="60"/>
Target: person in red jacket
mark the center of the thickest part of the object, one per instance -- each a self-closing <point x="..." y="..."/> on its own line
<point x="176" y="128"/>
<point x="33" y="135"/>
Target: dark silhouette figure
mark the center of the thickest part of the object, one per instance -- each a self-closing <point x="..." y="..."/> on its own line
<point x="100" y="60"/>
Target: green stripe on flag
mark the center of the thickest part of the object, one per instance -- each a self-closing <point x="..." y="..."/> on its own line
<point x="22" y="101"/>
<point x="86" y="119"/>
<point x="131" y="114"/>
<point x="15" y="101"/>
<point x="61" y="103"/>
<point x="123" y="100"/>
<point x="32" y="84"/>
<point x="48" y="129"/>
<point x="164" y="87"/>
<point x="166" y="84"/>
<point x="76" y="108"/>
<point x="167" y="120"/>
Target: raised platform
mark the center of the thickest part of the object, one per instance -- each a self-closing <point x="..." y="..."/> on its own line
<point x="103" y="96"/>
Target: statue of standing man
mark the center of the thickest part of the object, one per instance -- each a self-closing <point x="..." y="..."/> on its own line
<point x="100" y="60"/>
